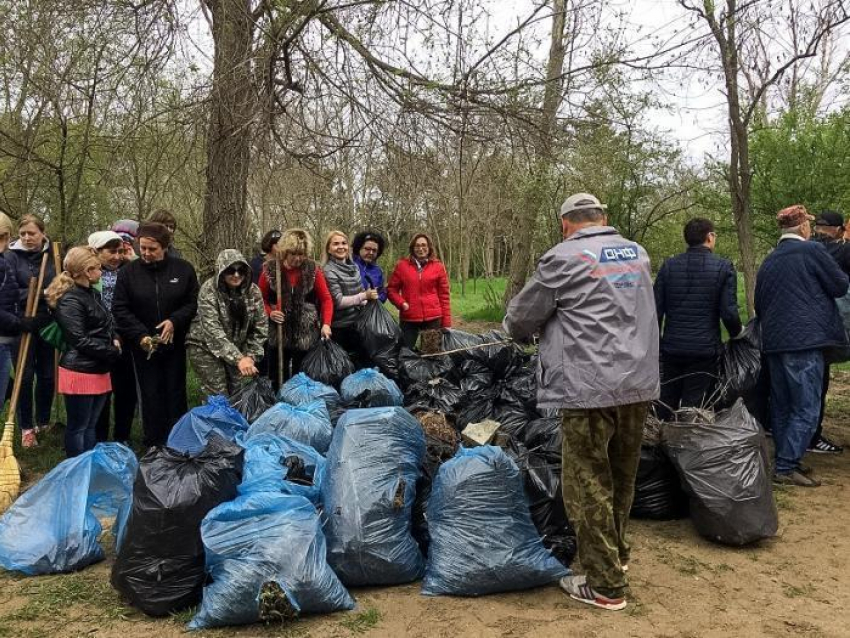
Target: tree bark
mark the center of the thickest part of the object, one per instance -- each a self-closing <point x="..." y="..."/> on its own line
<point x="232" y="109"/>
<point x="525" y="221"/>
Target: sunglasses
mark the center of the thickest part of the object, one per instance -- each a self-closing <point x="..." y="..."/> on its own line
<point x="238" y="270"/>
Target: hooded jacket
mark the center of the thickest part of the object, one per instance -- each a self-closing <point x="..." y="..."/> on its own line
<point x="591" y="299"/>
<point x="215" y="330"/>
<point x="146" y="294"/>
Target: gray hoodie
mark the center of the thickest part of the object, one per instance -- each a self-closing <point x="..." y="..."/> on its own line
<point x="591" y="299"/>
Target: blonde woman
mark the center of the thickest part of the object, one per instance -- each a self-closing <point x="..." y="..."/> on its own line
<point x="92" y="346"/>
<point x="306" y="304"/>
<point x="348" y="296"/>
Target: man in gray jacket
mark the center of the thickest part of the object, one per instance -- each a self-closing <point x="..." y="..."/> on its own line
<point x="591" y="299"/>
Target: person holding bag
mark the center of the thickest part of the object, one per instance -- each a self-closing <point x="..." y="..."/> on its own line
<point x="227" y="336"/>
<point x="92" y="346"/>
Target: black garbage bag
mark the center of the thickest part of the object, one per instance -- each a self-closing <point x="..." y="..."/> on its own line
<point x="541" y="476"/>
<point x="476" y="378"/>
<point x="658" y="493"/>
<point x="380" y="336"/>
<point x="414" y="369"/>
<point x="254" y="398"/>
<point x="327" y="362"/>
<point x="544" y="434"/>
<point x="501" y="357"/>
<point x="511" y="417"/>
<point x="725" y="470"/>
<point x="437" y="395"/>
<point x="520" y="389"/>
<point x="475" y="408"/>
<point x="160" y="563"/>
<point x="740" y="365"/>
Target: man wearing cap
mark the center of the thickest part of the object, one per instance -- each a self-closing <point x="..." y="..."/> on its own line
<point x="592" y="302"/>
<point x="110" y="250"/>
<point x="796" y="288"/>
<point x="829" y="231"/>
<point x="694" y="291"/>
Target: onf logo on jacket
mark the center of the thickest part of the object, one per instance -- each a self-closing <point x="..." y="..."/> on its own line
<point x="619" y="265"/>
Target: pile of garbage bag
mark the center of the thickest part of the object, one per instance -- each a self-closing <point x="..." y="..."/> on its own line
<point x="725" y="470"/>
<point x="54" y="526"/>
<point x="279" y="464"/>
<point x="327" y="362"/>
<point x="482" y="538"/>
<point x="301" y="389"/>
<point x="160" y="563"/>
<point x="265" y="556"/>
<point x="308" y="423"/>
<point x="370" y="485"/>
<point x="380" y="336"/>
<point x="191" y="432"/>
<point x="658" y="492"/>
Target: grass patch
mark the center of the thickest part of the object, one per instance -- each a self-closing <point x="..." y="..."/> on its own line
<point x="363" y="621"/>
<point x="796" y="591"/>
<point x="482" y="300"/>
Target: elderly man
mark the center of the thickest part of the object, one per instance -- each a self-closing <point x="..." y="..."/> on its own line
<point x="796" y="288"/>
<point x="591" y="300"/>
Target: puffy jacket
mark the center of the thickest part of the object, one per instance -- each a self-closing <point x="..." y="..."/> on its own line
<point x="591" y="298"/>
<point x="796" y="288"/>
<point x="425" y="291"/>
<point x="371" y="276"/>
<point x="29" y="262"/>
<point x="693" y="292"/>
<point x="343" y="278"/>
<point x="14" y="283"/>
<point x="214" y="329"/>
<point x="88" y="330"/>
<point x="147" y="294"/>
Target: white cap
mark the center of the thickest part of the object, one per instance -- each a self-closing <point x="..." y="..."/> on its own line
<point x="581" y="201"/>
<point x="102" y="237"/>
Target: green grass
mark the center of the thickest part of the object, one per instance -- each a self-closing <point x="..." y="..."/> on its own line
<point x="362" y="622"/>
<point x="481" y="301"/>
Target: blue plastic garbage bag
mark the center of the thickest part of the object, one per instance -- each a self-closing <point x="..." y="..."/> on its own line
<point x="265" y="538"/>
<point x="301" y="389"/>
<point x="278" y="464"/>
<point x="368" y="493"/>
<point x="482" y="538"/>
<point x="191" y="432"/>
<point x="371" y="386"/>
<point x="53" y="527"/>
<point x="309" y="424"/>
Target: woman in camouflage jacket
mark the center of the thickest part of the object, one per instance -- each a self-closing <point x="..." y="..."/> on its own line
<point x="227" y="335"/>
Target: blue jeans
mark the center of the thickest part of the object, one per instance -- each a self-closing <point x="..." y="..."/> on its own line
<point x="5" y="368"/>
<point x="83" y="411"/>
<point x="40" y="363"/>
<point x="796" y="379"/>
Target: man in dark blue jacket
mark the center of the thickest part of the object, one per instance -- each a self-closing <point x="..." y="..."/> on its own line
<point x="694" y="291"/>
<point x="796" y="290"/>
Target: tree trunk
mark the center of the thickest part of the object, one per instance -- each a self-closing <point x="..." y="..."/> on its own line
<point x="229" y="136"/>
<point x="525" y="220"/>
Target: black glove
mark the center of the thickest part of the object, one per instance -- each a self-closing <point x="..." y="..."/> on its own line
<point x="28" y="324"/>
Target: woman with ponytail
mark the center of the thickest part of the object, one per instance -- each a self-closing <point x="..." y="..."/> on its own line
<point x="92" y="346"/>
<point x="227" y="336"/>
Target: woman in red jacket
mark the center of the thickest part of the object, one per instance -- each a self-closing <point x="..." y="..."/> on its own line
<point x="419" y="288"/>
<point x="306" y="310"/>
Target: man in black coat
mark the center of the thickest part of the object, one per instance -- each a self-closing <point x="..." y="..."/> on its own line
<point x="796" y="289"/>
<point x="829" y="231"/>
<point x="156" y="298"/>
<point x="694" y="291"/>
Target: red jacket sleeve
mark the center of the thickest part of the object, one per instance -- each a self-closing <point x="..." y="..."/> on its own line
<point x="444" y="293"/>
<point x="264" y="290"/>
<point x="323" y="295"/>
<point x="394" y="287"/>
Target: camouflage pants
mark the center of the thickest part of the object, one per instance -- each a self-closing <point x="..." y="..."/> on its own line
<point x="601" y="451"/>
<point x="215" y="376"/>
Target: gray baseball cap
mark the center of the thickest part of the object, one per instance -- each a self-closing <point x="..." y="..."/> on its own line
<point x="581" y="201"/>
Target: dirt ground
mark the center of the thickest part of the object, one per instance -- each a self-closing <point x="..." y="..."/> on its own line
<point x="683" y="586"/>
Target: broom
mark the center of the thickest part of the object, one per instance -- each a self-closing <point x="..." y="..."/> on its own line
<point x="10" y="470"/>
<point x="280" y="344"/>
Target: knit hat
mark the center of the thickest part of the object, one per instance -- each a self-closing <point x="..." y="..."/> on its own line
<point x="793" y="216"/>
<point x="127" y="228"/>
<point x="156" y="231"/>
<point x="102" y="237"/>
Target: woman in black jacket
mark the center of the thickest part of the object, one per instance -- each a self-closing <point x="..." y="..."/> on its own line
<point x="92" y="346"/>
<point x="156" y="298"/>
